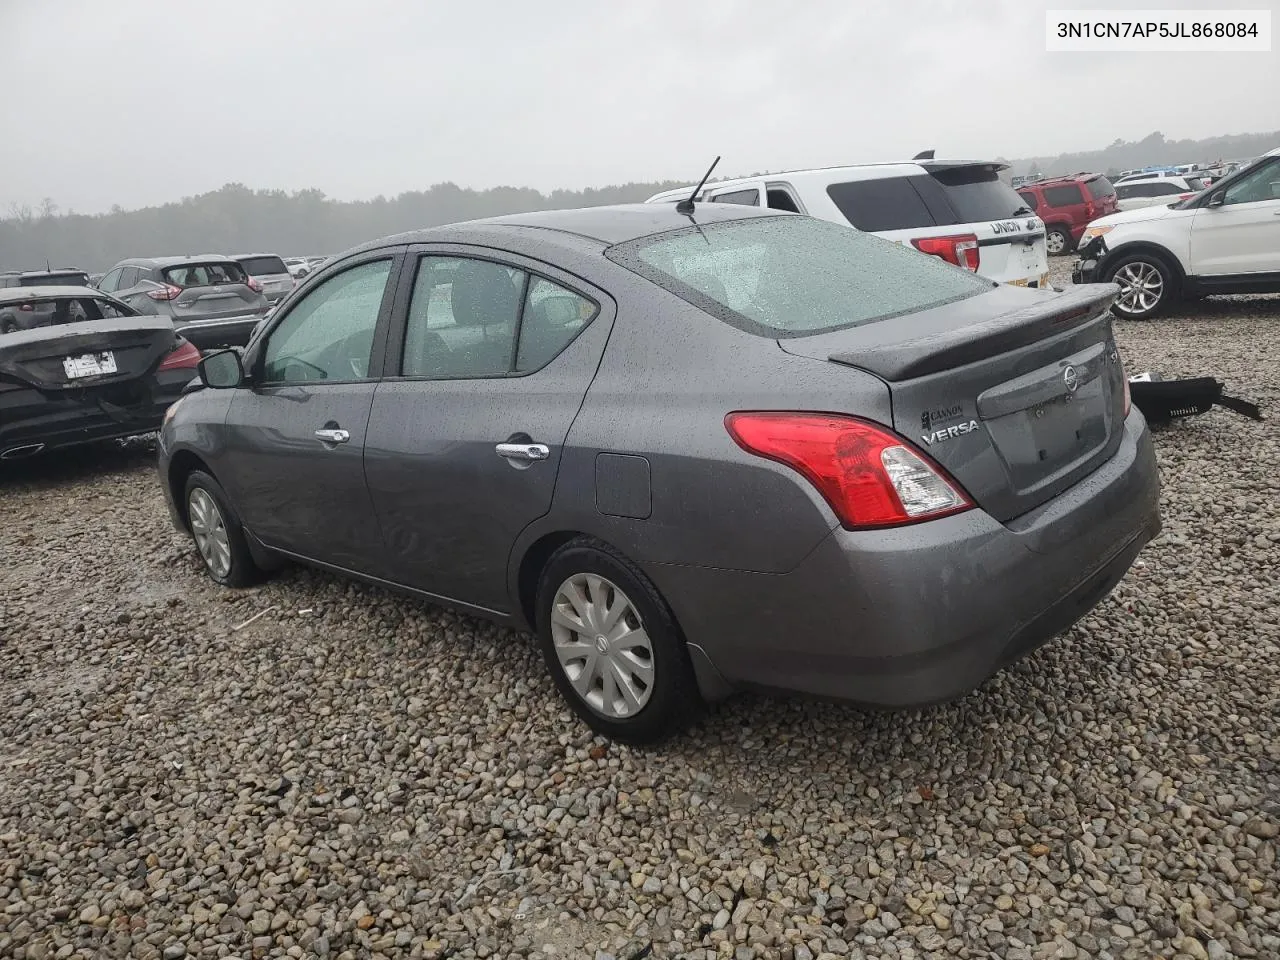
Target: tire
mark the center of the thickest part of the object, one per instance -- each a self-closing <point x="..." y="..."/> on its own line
<point x="1158" y="282"/>
<point x="206" y="505"/>
<point x="8" y="327"/>
<point x="1058" y="242"/>
<point x="656" y="710"/>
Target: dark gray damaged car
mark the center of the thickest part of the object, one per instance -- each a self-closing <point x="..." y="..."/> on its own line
<point x="738" y="449"/>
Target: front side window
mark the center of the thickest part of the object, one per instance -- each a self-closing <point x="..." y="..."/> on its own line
<point x="1259" y="185"/>
<point x="793" y="276"/>
<point x="328" y="334"/>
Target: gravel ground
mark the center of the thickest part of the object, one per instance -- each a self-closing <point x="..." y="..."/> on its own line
<point x="354" y="774"/>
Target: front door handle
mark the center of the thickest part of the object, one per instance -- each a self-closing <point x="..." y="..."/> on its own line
<point x="330" y="435"/>
<point x="523" y="451"/>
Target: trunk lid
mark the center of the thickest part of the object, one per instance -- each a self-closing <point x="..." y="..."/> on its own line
<point x="1017" y="393"/>
<point x="39" y="358"/>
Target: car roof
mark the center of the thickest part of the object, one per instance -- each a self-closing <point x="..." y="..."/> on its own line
<point x="608" y="225"/>
<point x="14" y="294"/>
<point x="884" y="169"/>
<point x="1065" y="178"/>
<point x="250" y="256"/>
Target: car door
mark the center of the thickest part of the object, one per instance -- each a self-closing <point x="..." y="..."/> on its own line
<point x="295" y="436"/>
<point x="492" y="356"/>
<point x="1242" y="234"/>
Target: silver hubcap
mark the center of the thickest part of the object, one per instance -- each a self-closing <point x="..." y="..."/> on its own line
<point x="602" y="646"/>
<point x="1055" y="242"/>
<point x="1141" y="287"/>
<point x="210" y="532"/>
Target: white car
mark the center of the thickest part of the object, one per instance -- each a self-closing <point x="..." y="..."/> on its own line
<point x="1153" y="191"/>
<point x="959" y="211"/>
<point x="298" y="267"/>
<point x="1225" y="239"/>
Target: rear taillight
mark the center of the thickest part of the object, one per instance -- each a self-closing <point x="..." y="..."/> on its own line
<point x="253" y="284"/>
<point x="1185" y="196"/>
<point x="167" y="292"/>
<point x="183" y="357"/>
<point x="962" y="249"/>
<point x="869" y="475"/>
<point x="1090" y="211"/>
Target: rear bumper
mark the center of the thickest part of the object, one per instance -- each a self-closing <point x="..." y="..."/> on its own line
<point x="923" y="614"/>
<point x="29" y="418"/>
<point x="225" y="332"/>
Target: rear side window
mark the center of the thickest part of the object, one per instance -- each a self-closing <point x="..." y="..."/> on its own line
<point x="1031" y="199"/>
<point x="1100" y="188"/>
<point x="1064" y="196"/>
<point x="203" y="274"/>
<point x="748" y="198"/>
<point x="263" y="266"/>
<point x="791" y="276"/>
<point x="889" y="203"/>
<point x="976" y="194"/>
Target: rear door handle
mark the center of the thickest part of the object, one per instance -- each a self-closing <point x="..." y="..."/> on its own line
<point x="329" y="435"/>
<point x="523" y="451"/>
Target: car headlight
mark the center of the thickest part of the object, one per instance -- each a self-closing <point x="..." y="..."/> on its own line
<point x="173" y="408"/>
<point x="1092" y="233"/>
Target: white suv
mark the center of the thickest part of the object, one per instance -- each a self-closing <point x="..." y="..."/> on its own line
<point x="1223" y="240"/>
<point x="957" y="210"/>
<point x="1154" y="191"/>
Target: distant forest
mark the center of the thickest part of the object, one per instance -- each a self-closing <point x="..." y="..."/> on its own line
<point x="237" y="219"/>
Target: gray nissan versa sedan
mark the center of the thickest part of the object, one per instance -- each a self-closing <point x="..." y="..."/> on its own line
<point x="695" y="453"/>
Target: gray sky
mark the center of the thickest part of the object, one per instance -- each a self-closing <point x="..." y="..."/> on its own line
<point x="159" y="99"/>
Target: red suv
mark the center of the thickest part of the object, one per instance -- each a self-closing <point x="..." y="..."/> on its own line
<point x="1067" y="205"/>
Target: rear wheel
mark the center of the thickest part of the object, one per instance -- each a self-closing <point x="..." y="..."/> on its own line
<point x="1147" y="285"/>
<point x="1057" y="241"/>
<point x="612" y="645"/>
<point x="217" y="533"/>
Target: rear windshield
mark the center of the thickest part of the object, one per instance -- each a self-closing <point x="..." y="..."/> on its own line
<point x="978" y="193"/>
<point x="68" y="279"/>
<point x="263" y="266"/>
<point x="1101" y="187"/>
<point x="203" y="274"/>
<point x="54" y="311"/>
<point x="791" y="276"/>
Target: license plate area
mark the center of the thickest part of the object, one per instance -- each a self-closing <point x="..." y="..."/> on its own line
<point x="89" y="365"/>
<point x="1046" y="440"/>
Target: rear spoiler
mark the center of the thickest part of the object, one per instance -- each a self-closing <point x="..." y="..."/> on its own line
<point x="969" y="343"/>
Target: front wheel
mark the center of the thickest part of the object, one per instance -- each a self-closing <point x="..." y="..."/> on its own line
<point x="1057" y="241"/>
<point x="1147" y="286"/>
<point x="612" y="646"/>
<point x="217" y="533"/>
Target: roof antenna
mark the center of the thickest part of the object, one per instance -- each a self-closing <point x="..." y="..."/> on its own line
<point x="47" y="268"/>
<point x="686" y="206"/>
<point x="924" y="155"/>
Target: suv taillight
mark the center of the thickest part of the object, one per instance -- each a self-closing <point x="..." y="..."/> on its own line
<point x="185" y="356"/>
<point x="1090" y="211"/>
<point x="962" y="249"/>
<point x="167" y="292"/>
<point x="252" y="284"/>
<point x="869" y="475"/>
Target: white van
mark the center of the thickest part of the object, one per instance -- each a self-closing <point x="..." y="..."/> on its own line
<point x="960" y="211"/>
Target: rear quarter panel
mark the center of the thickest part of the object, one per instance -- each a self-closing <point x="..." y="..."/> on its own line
<point x="669" y="376"/>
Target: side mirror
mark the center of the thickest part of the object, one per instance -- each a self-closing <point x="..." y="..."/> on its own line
<point x="1217" y="199"/>
<point x="221" y="370"/>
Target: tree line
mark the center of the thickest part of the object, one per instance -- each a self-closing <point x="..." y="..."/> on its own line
<point x="236" y="219"/>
